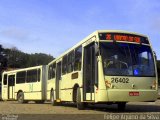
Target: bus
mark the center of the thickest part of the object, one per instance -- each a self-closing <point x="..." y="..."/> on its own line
<point x="107" y="67"/>
<point x="0" y="90"/>
<point x="27" y="84"/>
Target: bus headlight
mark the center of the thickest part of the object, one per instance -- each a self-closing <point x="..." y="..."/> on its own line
<point x="154" y="84"/>
<point x="108" y="84"/>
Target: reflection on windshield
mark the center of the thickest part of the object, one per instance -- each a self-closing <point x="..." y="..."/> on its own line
<point x="127" y="59"/>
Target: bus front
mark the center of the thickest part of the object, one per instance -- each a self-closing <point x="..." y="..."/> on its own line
<point x="126" y="69"/>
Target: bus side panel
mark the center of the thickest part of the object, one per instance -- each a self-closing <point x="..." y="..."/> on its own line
<point x="66" y="88"/>
<point x="50" y="85"/>
<point x="4" y="92"/>
<point x="44" y="82"/>
<point x="32" y="91"/>
<point x="67" y="84"/>
<point x="33" y="96"/>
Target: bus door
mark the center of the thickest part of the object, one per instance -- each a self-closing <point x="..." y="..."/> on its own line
<point x="89" y="72"/>
<point x="5" y="87"/>
<point x="58" y="79"/>
<point x="11" y="85"/>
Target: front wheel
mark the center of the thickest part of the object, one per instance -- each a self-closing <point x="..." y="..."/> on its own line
<point x="121" y="106"/>
<point x="39" y="101"/>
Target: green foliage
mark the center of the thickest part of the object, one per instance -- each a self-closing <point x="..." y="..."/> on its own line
<point x="19" y="59"/>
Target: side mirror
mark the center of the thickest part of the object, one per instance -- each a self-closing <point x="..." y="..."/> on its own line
<point x="96" y="49"/>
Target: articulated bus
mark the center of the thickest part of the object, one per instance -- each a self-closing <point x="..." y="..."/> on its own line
<point x="108" y="67"/>
<point x="28" y="84"/>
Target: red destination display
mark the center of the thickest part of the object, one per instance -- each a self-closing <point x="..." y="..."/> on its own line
<point x="123" y="37"/>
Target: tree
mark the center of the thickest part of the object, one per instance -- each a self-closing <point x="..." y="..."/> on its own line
<point x="40" y="59"/>
<point x="19" y="59"/>
<point x="3" y="61"/>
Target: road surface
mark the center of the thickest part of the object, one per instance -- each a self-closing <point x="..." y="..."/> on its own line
<point x="134" y="110"/>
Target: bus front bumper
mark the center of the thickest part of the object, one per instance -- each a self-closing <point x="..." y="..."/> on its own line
<point x="117" y="95"/>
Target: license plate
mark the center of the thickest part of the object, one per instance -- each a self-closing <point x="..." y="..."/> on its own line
<point x="133" y="93"/>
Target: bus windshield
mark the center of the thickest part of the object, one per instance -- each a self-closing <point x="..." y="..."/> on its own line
<point x="126" y="59"/>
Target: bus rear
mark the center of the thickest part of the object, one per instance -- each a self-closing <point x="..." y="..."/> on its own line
<point x="126" y="69"/>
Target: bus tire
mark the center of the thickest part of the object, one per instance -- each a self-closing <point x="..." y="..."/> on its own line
<point x="53" y="101"/>
<point x="121" y="106"/>
<point x="80" y="104"/>
<point x="39" y="101"/>
<point x="20" y="97"/>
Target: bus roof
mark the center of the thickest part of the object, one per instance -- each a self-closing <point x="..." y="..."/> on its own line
<point x="95" y="33"/>
<point x="22" y="69"/>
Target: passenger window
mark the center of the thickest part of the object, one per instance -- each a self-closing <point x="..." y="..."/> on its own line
<point x="54" y="70"/>
<point x="51" y="71"/>
<point x="78" y="58"/>
<point x="20" y="77"/>
<point x="38" y="74"/>
<point x="64" y="65"/>
<point x="70" y="62"/>
<point x="5" y="80"/>
<point x="32" y="76"/>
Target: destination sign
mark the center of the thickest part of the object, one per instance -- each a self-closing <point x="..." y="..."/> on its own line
<point x="123" y="37"/>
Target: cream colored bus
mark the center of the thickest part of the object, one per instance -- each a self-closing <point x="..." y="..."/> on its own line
<point x="108" y="67"/>
<point x="28" y="84"/>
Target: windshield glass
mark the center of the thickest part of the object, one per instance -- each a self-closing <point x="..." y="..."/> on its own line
<point x="127" y="59"/>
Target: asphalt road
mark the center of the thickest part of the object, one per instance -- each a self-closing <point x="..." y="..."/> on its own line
<point x="134" y="110"/>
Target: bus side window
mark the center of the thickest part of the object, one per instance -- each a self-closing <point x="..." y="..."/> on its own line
<point x="54" y="70"/>
<point x="5" y="80"/>
<point x="38" y="74"/>
<point x="78" y="58"/>
<point x="32" y="76"/>
<point x="51" y="71"/>
<point x="20" y="77"/>
<point x="64" y="65"/>
<point x="70" y="62"/>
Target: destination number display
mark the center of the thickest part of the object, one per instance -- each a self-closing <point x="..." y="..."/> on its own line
<point x="123" y="37"/>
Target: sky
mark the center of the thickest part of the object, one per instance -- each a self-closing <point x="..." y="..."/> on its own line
<point x="53" y="26"/>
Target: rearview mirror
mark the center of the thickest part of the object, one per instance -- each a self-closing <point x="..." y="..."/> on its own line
<point x="96" y="49"/>
<point x="154" y="53"/>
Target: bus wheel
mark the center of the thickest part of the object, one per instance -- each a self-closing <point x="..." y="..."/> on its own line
<point x="80" y="104"/>
<point x="53" y="101"/>
<point x="20" y="97"/>
<point x="40" y="101"/>
<point x="121" y="106"/>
